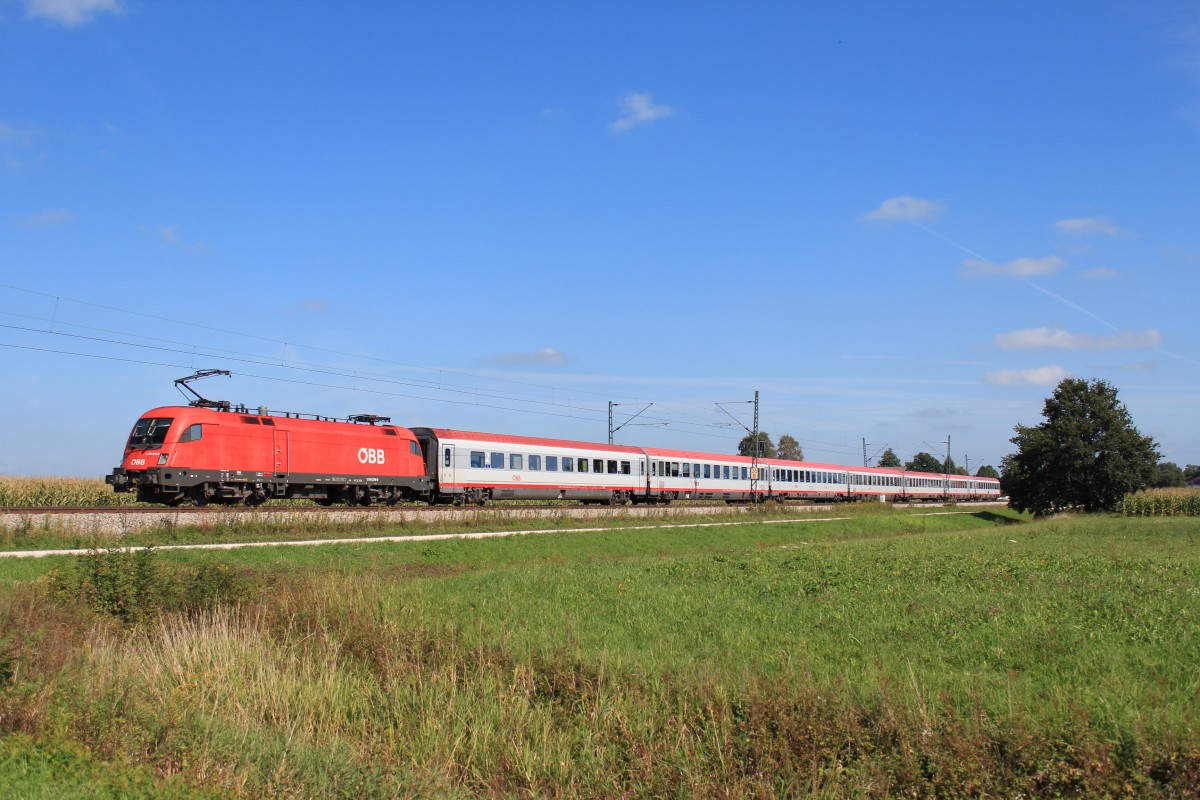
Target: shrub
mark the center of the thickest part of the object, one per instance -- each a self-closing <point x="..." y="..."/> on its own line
<point x="132" y="585"/>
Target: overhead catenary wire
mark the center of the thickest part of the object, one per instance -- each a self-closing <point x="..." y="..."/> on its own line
<point x="495" y="399"/>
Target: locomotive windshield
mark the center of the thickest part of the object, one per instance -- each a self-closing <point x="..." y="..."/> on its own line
<point x="149" y="432"/>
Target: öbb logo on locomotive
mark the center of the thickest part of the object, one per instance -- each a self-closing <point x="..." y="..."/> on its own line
<point x="221" y="453"/>
<point x="370" y="455"/>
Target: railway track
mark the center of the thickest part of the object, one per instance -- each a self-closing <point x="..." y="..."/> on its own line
<point x="122" y="520"/>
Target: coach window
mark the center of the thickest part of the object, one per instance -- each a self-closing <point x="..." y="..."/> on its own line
<point x="515" y="461"/>
<point x="625" y="468"/>
<point x="695" y="470"/>
<point x="598" y="466"/>
<point x="725" y="470"/>
<point x="687" y="470"/>
<point x="535" y="463"/>
<point x="448" y="451"/>
<point x="582" y="464"/>
<point x="497" y="460"/>
<point x="551" y="463"/>
<point x="568" y="464"/>
<point x="477" y="459"/>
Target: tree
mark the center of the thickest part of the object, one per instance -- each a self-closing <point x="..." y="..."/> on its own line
<point x="789" y="448"/>
<point x="924" y="462"/>
<point x="766" y="446"/>
<point x="1191" y="471"/>
<point x="1087" y="455"/>
<point x="1169" y="476"/>
<point x="888" y="459"/>
<point x="987" y="471"/>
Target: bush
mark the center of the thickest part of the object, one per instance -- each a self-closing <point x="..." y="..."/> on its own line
<point x="133" y="585"/>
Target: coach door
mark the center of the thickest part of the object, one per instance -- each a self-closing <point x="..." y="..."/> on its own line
<point x="446" y="467"/>
<point x="281" y="454"/>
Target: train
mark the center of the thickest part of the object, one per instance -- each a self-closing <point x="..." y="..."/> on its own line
<point x="213" y="452"/>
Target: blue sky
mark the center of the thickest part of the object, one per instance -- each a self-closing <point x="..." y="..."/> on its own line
<point x="896" y="222"/>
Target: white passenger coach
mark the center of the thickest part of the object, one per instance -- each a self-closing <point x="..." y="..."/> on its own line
<point x="470" y="467"/>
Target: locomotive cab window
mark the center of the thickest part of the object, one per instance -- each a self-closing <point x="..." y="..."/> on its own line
<point x="150" y="432"/>
<point x="191" y="433"/>
<point x="413" y="447"/>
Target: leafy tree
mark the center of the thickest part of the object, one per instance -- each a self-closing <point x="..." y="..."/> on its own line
<point x="924" y="462"/>
<point x="789" y="448"/>
<point x="1191" y="471"/>
<point x="987" y="471"/>
<point x="1169" y="476"/>
<point x="766" y="446"/>
<point x="1087" y="455"/>
<point x="888" y="459"/>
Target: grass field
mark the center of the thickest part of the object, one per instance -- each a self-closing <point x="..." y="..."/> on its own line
<point x="889" y="655"/>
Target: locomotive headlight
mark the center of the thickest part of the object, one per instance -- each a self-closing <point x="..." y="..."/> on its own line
<point x="162" y="458"/>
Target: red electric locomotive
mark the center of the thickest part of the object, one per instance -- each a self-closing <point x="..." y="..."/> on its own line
<point x="210" y="451"/>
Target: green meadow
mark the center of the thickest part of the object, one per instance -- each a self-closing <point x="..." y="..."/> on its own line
<point x="891" y="654"/>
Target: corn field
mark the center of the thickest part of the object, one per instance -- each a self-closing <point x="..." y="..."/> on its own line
<point x="44" y="492"/>
<point x="1162" y="503"/>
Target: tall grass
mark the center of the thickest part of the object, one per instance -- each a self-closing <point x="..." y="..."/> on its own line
<point x="930" y="658"/>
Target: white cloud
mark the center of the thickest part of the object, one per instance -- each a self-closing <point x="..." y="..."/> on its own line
<point x="639" y="109"/>
<point x="1018" y="268"/>
<point x="1044" y="338"/>
<point x="1039" y="376"/>
<point x="170" y="235"/>
<point x="9" y="135"/>
<point x="47" y="219"/>
<point x="547" y="355"/>
<point x="1099" y="274"/>
<point x="71" y="13"/>
<point x="308" y="307"/>
<point x="906" y="208"/>
<point x="1087" y="226"/>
